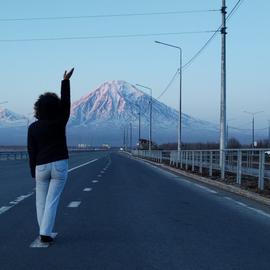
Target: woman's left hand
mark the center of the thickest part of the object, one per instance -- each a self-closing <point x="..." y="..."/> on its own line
<point x="67" y="75"/>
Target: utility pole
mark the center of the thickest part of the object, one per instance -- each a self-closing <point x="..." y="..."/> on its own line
<point x="223" y="92"/>
<point x="150" y="116"/>
<point x="253" y="133"/>
<point x="227" y="133"/>
<point x="253" y="125"/>
<point x="268" y="133"/>
<point x="139" y="128"/>
<point x="127" y="142"/>
<point x="150" y="129"/>
<point x="124" y="139"/>
<point x="130" y="134"/>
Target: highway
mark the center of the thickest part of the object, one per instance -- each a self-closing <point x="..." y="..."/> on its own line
<point x="118" y="213"/>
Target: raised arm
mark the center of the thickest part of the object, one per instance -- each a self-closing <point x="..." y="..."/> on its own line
<point x="65" y="96"/>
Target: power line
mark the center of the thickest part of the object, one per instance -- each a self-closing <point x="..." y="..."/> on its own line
<point x="236" y="6"/>
<point x="169" y="84"/>
<point x="188" y="63"/>
<point x="108" y="15"/>
<point x="106" y="36"/>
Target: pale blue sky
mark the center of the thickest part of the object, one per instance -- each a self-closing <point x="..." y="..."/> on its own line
<point x="29" y="68"/>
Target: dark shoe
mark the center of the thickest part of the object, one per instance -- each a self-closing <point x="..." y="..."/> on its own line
<point x="46" y="239"/>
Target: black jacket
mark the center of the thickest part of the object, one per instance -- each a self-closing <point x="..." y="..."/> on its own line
<point x="46" y="140"/>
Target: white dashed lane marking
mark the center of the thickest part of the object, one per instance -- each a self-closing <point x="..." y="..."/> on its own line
<point x="94" y="181"/>
<point x="19" y="199"/>
<point x="74" y="204"/>
<point x="4" y="209"/>
<point x="87" y="189"/>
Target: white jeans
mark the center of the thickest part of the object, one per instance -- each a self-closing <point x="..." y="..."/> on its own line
<point x="50" y="182"/>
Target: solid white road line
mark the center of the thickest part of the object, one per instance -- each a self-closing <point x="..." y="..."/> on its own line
<point x="38" y="244"/>
<point x="205" y="188"/>
<point x="261" y="212"/>
<point x="86" y="163"/>
<point x="87" y="189"/>
<point x="170" y="174"/>
<point x="74" y="204"/>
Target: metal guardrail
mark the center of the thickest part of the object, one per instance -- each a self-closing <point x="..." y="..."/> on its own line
<point x="13" y="155"/>
<point x="239" y="162"/>
<point x="18" y="155"/>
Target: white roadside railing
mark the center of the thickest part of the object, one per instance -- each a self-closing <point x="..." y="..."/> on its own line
<point x="13" y="155"/>
<point x="18" y="155"/>
<point x="239" y="162"/>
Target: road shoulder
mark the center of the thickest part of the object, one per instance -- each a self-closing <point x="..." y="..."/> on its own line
<point x="210" y="182"/>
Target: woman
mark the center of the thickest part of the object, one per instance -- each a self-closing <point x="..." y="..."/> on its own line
<point x="48" y="154"/>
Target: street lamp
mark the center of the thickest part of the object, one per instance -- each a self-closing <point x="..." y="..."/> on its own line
<point x="150" y="116"/>
<point x="180" y="95"/>
<point x="253" y="114"/>
<point x="130" y="134"/>
<point x="268" y="133"/>
<point x="139" y="107"/>
<point x="227" y="131"/>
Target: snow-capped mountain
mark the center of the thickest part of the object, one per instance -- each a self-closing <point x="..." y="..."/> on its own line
<point x="102" y="115"/>
<point x="114" y="104"/>
<point x="119" y="101"/>
<point x="11" y="119"/>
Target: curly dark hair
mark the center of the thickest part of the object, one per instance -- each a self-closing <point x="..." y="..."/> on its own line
<point x="47" y="107"/>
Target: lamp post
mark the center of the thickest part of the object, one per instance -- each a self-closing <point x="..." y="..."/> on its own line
<point x="150" y="116"/>
<point x="130" y="134"/>
<point x="180" y="95"/>
<point x="124" y="139"/>
<point x="268" y="133"/>
<point x="139" y="114"/>
<point x="253" y="120"/>
<point x="227" y="130"/>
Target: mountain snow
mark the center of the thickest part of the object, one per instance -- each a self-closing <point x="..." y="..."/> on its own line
<point x="121" y="102"/>
<point x="101" y="116"/>
<point x="11" y="119"/>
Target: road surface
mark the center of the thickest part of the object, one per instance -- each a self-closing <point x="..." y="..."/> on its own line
<point x="120" y="213"/>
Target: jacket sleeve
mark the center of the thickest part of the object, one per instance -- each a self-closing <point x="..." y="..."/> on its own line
<point x="65" y="101"/>
<point x="32" y="150"/>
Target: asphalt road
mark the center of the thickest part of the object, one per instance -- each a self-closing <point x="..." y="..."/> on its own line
<point x="133" y="216"/>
